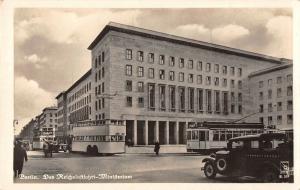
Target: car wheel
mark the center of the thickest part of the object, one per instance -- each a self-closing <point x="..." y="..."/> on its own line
<point x="209" y="170"/>
<point x="270" y="176"/>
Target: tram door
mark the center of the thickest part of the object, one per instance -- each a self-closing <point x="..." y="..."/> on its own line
<point x="203" y="139"/>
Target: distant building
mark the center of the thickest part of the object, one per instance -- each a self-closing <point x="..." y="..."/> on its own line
<point x="61" y="132"/>
<point x="27" y="132"/>
<point x="272" y="92"/>
<point x="48" y="123"/>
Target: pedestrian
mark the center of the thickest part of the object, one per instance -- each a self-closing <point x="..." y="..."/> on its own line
<point x="46" y="148"/>
<point x="50" y="149"/>
<point x="19" y="156"/>
<point x="156" y="147"/>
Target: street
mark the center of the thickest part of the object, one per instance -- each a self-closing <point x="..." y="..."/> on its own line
<point x="122" y="168"/>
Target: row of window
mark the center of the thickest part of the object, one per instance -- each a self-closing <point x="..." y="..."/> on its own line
<point x="289" y="78"/>
<point x="100" y="138"/>
<point x="181" y="77"/>
<point x="100" y="116"/>
<point x="99" y="74"/>
<point x="279" y="119"/>
<point x="84" y="89"/>
<point x="99" y="59"/>
<point x="80" y="115"/>
<point x="80" y="103"/>
<point x="289" y="92"/>
<point x="181" y="63"/>
<point x="289" y="106"/>
<point x="195" y="100"/>
<point x="99" y="104"/>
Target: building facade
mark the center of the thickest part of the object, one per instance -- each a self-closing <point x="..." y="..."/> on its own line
<point x="27" y="132"/>
<point x="159" y="83"/>
<point x="61" y="132"/>
<point x="272" y="92"/>
<point x="48" y="123"/>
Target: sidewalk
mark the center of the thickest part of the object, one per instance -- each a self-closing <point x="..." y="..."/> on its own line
<point x="150" y="149"/>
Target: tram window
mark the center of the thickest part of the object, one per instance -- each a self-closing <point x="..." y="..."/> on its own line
<point x="229" y="135"/>
<point x="222" y="136"/>
<point x="254" y="144"/>
<point x="235" y="133"/>
<point x="189" y="135"/>
<point x="216" y="136"/>
<point x="248" y="132"/>
<point x="238" y="144"/>
<point x="194" y="135"/>
<point x="202" y="135"/>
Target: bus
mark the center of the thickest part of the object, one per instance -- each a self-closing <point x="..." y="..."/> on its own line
<point x="99" y="136"/>
<point x="208" y="137"/>
<point x="38" y="142"/>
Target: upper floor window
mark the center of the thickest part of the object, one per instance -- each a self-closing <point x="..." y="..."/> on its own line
<point x="128" y="70"/>
<point x="261" y="84"/>
<point x="270" y="94"/>
<point x="172" y="61"/>
<point x="102" y="56"/>
<point x="208" y="80"/>
<point x="208" y="67"/>
<point x="181" y="62"/>
<point x="270" y="81"/>
<point x="240" y="84"/>
<point x="232" y="71"/>
<point x="181" y="77"/>
<point x="140" y="87"/>
<point x="172" y="75"/>
<point x="217" y="81"/>
<point x="140" y="71"/>
<point x="224" y="82"/>
<point x="151" y="57"/>
<point x="141" y="102"/>
<point x="128" y="86"/>
<point x="129" y="101"/>
<point x="191" y="78"/>
<point x="162" y="74"/>
<point x="199" y="66"/>
<point x="289" y="78"/>
<point x="128" y="54"/>
<point x="216" y="68"/>
<point x="279" y="80"/>
<point x="232" y="83"/>
<point x="140" y="56"/>
<point x="161" y="59"/>
<point x="190" y="64"/>
<point x="151" y="73"/>
<point x="224" y="70"/>
<point x="199" y="79"/>
<point x="289" y="90"/>
<point x="96" y="62"/>
<point x="240" y="72"/>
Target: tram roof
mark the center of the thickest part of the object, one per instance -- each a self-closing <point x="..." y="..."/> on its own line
<point x="229" y="125"/>
<point x="263" y="136"/>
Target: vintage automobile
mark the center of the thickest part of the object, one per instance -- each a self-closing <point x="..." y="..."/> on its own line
<point x="60" y="147"/>
<point x="267" y="156"/>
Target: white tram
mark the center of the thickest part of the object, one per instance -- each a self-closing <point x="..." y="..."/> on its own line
<point x="100" y="136"/>
<point x="206" y="137"/>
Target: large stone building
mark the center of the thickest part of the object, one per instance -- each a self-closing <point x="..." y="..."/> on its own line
<point x="272" y="92"/>
<point x="48" y="123"/>
<point x="159" y="83"/>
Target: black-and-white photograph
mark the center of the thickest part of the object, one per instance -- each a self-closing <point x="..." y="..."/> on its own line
<point x="153" y="95"/>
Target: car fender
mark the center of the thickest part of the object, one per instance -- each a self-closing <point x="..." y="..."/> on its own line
<point x="210" y="159"/>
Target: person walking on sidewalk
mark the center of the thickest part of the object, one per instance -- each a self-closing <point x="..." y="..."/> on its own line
<point x="156" y="148"/>
<point x="19" y="156"/>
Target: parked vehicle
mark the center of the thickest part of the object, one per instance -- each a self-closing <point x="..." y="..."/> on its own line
<point x="60" y="147"/>
<point x="268" y="157"/>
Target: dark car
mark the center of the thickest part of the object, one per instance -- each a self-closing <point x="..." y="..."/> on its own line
<point x="268" y="157"/>
<point x="60" y="147"/>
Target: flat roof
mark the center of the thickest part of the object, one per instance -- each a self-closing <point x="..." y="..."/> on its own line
<point x="112" y="26"/>
<point x="270" y="69"/>
<point x="60" y="94"/>
<point x="263" y="136"/>
<point x="49" y="108"/>
<point x="86" y="75"/>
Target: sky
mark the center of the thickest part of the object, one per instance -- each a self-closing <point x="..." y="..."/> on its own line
<point x="50" y="45"/>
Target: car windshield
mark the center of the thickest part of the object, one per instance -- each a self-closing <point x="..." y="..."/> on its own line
<point x="255" y="144"/>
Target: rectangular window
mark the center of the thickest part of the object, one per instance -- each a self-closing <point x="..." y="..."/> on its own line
<point x="128" y="86"/>
<point x="128" y="54"/>
<point x="128" y="71"/>
<point x="162" y="97"/>
<point x="270" y="108"/>
<point x="279" y="92"/>
<point x="191" y="78"/>
<point x="240" y="84"/>
<point x="290" y="105"/>
<point x="270" y="120"/>
<point x="140" y="71"/>
<point x="190" y="64"/>
<point x="181" y="99"/>
<point x="151" y="73"/>
<point x="279" y="80"/>
<point x="103" y="56"/>
<point x="289" y="119"/>
<point x="172" y="61"/>
<point x="261" y="108"/>
<point x="232" y="108"/>
<point x="102" y="72"/>
<point x="225" y="102"/>
<point x="171" y="75"/>
<point x="240" y="72"/>
<point x="261" y="95"/>
<point x="141" y="102"/>
<point x="129" y="101"/>
<point x="199" y="79"/>
<point x="162" y="74"/>
<point x="181" y="77"/>
<point x="216" y="69"/>
<point x="191" y="95"/>
<point x="270" y="94"/>
<point x="232" y="83"/>
<point x="224" y="70"/>
<point x="140" y="56"/>
<point x="199" y="66"/>
<point x="96" y="62"/>
<point x="240" y="109"/>
<point x="217" y="102"/>
<point x="140" y="86"/>
<point x="289" y="90"/>
<point x="279" y="106"/>
<point x="208" y="101"/>
<point x="181" y="62"/>
<point x="289" y="78"/>
<point x="232" y="71"/>
<point x="172" y="98"/>
<point x="208" y="67"/>
<point x="224" y="82"/>
<point x="240" y="97"/>
<point x="279" y="119"/>
<point x="261" y="84"/>
<point x="151" y="96"/>
<point x="151" y="57"/>
<point x="261" y="120"/>
<point x="161" y="59"/>
<point x="217" y="81"/>
<point x="232" y="97"/>
<point x="270" y="81"/>
<point x="208" y="80"/>
<point x="200" y="99"/>
<point x="103" y="87"/>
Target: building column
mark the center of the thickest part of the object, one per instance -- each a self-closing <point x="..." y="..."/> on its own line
<point x="167" y="132"/>
<point x="156" y="131"/>
<point x="134" y="132"/>
<point x="146" y="132"/>
<point x="184" y="132"/>
<point x="176" y="132"/>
